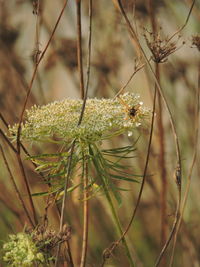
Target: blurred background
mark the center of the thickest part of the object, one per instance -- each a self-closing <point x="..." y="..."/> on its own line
<point x="24" y="31"/>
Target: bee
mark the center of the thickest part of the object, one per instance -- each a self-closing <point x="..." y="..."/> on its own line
<point x="131" y="111"/>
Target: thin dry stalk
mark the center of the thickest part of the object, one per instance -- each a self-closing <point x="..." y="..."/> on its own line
<point x="115" y="244"/>
<point x="177" y="177"/>
<point x="37" y="32"/>
<point x="8" y="141"/>
<point x="35" y="72"/>
<point x="23" y="110"/>
<point x="3" y="119"/>
<point x="21" y="166"/>
<point x="15" y="187"/>
<point x="134" y="36"/>
<point x="89" y="49"/>
<point x="161" y="136"/>
<point x="163" y="174"/>
<point x="14" y="61"/>
<point x="177" y="214"/>
<point x="86" y="204"/>
<point x="185" y="198"/>
<point x="38" y="13"/>
<point x="88" y="64"/>
<point x="64" y="205"/>
<point x="79" y="48"/>
<point x="178" y="168"/>
<point x="84" y="97"/>
<point x="186" y="22"/>
<point x="163" y="98"/>
<point x="137" y="68"/>
<point x="85" y="216"/>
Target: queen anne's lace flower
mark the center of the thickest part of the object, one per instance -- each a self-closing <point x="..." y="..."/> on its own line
<point x="102" y="119"/>
<point x="20" y="250"/>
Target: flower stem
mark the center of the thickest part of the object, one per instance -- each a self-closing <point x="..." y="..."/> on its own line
<point x="85" y="217"/>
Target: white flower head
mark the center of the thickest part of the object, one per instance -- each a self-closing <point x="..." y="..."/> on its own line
<point x="102" y="118"/>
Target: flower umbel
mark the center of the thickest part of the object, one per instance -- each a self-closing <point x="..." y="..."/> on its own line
<point x="34" y="247"/>
<point x="20" y="250"/>
<point x="103" y="118"/>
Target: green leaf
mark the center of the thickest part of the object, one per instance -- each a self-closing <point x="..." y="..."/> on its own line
<point x="123" y="178"/>
<point x="57" y="174"/>
<point x="123" y="189"/>
<point x="39" y="194"/>
<point x="49" y="155"/>
<point x="69" y="190"/>
<point x="119" y="150"/>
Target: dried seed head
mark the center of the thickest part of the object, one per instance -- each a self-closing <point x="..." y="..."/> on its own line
<point x="160" y="48"/>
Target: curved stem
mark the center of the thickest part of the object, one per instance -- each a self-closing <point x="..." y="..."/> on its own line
<point x="18" y="153"/>
<point x="176" y="140"/>
<point x="177" y="215"/>
<point x="196" y="125"/>
<point x="161" y="135"/>
<point x="79" y="47"/>
<point x="16" y="189"/>
<point x="34" y="75"/>
<point x="27" y="187"/>
<point x="162" y="166"/>
<point x="141" y="51"/>
<point x="64" y="200"/>
<point x="85" y="216"/>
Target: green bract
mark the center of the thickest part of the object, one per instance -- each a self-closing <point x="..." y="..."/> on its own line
<point x="103" y="118"/>
<point x="20" y="250"/>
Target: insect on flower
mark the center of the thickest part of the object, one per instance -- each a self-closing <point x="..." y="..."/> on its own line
<point x="131" y="111"/>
